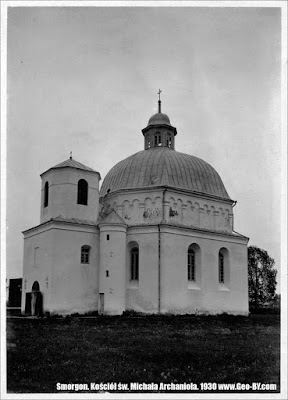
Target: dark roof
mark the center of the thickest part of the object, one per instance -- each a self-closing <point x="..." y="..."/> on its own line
<point x="63" y="219"/>
<point x="72" y="220"/>
<point x="112" y="219"/>
<point x="71" y="163"/>
<point x="159" y="119"/>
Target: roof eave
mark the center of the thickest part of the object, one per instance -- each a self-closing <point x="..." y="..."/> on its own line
<point x="69" y="166"/>
<point x="54" y="220"/>
<point x="183" y="190"/>
<point x="144" y="130"/>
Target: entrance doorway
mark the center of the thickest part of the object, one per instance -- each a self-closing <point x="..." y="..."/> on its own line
<point x="34" y="303"/>
<point x="28" y="304"/>
<point x="101" y="303"/>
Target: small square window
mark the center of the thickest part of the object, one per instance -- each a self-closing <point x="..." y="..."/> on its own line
<point x="107" y="274"/>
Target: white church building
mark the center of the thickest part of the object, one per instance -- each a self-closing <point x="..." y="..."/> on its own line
<point x="158" y="237"/>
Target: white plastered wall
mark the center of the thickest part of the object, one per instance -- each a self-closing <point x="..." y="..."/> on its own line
<point x="177" y="295"/>
<point x="37" y="263"/>
<point x="71" y="287"/>
<point x="153" y="206"/>
<point x="113" y="264"/>
<point x="206" y="294"/>
<point x="143" y="297"/>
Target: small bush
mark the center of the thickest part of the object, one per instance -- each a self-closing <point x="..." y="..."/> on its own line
<point x="264" y="310"/>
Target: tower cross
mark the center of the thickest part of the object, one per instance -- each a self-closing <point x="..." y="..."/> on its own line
<point x="159" y="92"/>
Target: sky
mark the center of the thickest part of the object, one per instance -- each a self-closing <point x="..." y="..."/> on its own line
<point x="85" y="79"/>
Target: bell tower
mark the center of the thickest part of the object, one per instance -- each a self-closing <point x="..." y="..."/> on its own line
<point x="70" y="190"/>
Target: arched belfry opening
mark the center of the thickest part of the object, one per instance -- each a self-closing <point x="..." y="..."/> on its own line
<point x="159" y="132"/>
<point x="82" y="194"/>
<point x="46" y="194"/>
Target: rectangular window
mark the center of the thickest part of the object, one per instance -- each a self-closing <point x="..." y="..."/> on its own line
<point x="108" y="237"/>
<point x="85" y="256"/>
<point x="107" y="274"/>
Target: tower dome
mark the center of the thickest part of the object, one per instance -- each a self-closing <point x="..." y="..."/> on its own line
<point x="159" y="119"/>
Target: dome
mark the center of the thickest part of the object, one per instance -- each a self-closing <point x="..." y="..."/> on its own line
<point x="162" y="166"/>
<point x="159" y="119"/>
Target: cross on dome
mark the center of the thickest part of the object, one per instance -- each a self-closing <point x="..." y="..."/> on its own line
<point x="159" y="101"/>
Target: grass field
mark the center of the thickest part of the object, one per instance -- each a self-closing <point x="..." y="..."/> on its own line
<point x="222" y="349"/>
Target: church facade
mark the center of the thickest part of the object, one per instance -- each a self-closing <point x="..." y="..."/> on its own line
<point x="158" y="237"/>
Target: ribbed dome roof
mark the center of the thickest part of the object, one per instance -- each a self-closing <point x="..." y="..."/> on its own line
<point x="162" y="166"/>
<point x="159" y="119"/>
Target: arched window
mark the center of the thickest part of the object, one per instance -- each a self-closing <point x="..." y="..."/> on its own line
<point x="224" y="269"/>
<point x="148" y="141"/>
<point x="191" y="264"/>
<point x="194" y="273"/>
<point x="221" y="267"/>
<point x="35" y="287"/>
<point x="157" y="139"/>
<point x="46" y="194"/>
<point x="168" y="140"/>
<point x="134" y="264"/>
<point x="85" y="254"/>
<point x="82" y="197"/>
